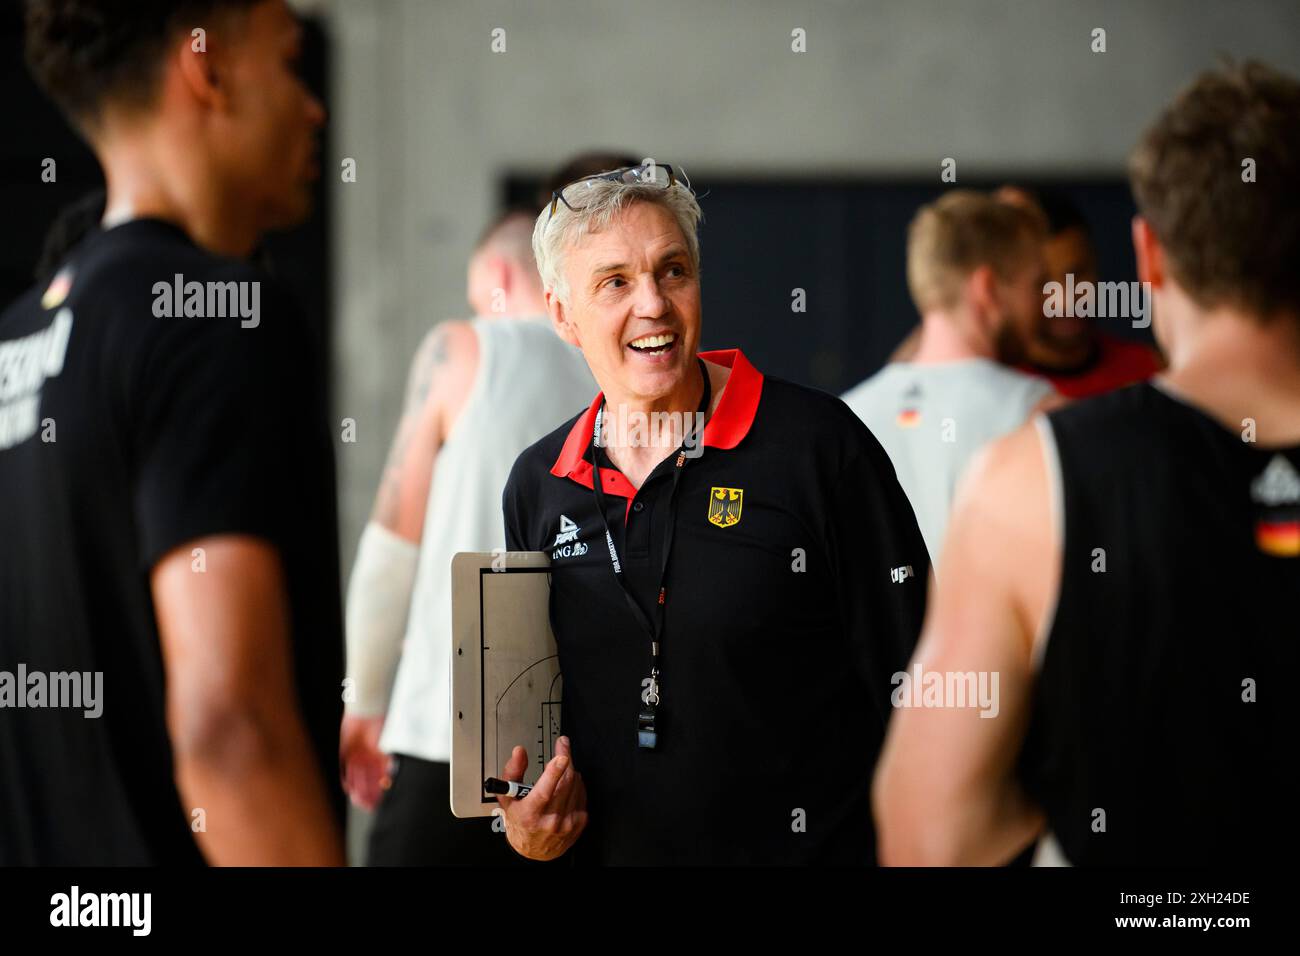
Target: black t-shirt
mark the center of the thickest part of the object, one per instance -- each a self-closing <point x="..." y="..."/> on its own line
<point x="1159" y="731"/>
<point x="124" y="434"/>
<point x="787" y="611"/>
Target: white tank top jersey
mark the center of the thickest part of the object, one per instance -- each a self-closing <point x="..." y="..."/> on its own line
<point x="932" y="418"/>
<point x="528" y="383"/>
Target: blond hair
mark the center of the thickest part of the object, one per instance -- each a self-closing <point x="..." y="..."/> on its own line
<point x="960" y="232"/>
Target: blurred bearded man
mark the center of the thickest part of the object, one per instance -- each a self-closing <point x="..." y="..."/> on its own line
<point x="975" y="270"/>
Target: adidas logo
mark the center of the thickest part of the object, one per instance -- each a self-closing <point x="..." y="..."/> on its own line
<point x="568" y="532"/>
<point x="899" y="575"/>
<point x="1278" y="484"/>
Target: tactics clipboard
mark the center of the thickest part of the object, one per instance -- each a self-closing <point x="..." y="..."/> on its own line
<point x="505" y="671"/>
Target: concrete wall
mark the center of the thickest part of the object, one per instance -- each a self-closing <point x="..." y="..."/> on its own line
<point x="434" y="119"/>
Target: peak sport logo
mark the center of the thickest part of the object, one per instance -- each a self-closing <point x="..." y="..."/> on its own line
<point x="566" y="543"/>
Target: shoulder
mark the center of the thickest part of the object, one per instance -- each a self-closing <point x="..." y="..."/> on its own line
<point x="452" y="340"/>
<point x="1005" y="463"/>
<point x="1107" y="439"/>
<point x="812" y="407"/>
<point x="868" y="392"/>
<point x="526" y="328"/>
<point x="818" y="420"/>
<point x="155" y="255"/>
<point x="1003" y="380"/>
<point x="146" y="280"/>
<point x="1111" y="415"/>
<point x="1007" y="480"/>
<point x="530" y="344"/>
<point x="1003" y="501"/>
<point x="443" y="369"/>
<point x="1004" y="538"/>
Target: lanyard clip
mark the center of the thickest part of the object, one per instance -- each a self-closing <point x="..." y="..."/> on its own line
<point x="650" y="696"/>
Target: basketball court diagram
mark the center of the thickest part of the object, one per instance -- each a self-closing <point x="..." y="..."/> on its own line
<point x="507" y="689"/>
<point x="511" y="706"/>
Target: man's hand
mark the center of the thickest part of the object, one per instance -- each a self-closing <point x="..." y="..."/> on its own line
<point x="549" y="820"/>
<point x="365" y="768"/>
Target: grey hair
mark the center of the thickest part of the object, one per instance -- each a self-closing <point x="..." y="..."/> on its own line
<point x="602" y="199"/>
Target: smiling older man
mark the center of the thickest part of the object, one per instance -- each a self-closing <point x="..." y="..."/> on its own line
<point x="736" y="571"/>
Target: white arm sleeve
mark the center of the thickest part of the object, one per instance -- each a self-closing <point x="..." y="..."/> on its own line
<point x="379" y="599"/>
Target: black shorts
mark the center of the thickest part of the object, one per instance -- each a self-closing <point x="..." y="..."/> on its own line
<point x="414" y="825"/>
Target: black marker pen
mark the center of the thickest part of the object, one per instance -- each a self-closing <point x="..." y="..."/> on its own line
<point x="509" y="788"/>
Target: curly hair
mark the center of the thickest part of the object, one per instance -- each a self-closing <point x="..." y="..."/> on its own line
<point x="85" y="53"/>
<point x="1230" y="239"/>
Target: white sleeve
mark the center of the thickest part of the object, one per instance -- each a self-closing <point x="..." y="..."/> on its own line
<point x="379" y="599"/>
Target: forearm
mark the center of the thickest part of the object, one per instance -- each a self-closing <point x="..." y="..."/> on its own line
<point x="260" y="791"/>
<point x="991" y="829"/>
<point x="378" y="603"/>
<point x="987" y="828"/>
<point x="1015" y="822"/>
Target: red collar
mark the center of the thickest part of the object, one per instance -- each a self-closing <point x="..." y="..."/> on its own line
<point x="726" y="429"/>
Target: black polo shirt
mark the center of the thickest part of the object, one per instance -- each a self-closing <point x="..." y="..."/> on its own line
<point x="785" y="617"/>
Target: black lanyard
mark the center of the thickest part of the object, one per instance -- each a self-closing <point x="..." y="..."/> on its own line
<point x="646" y="734"/>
